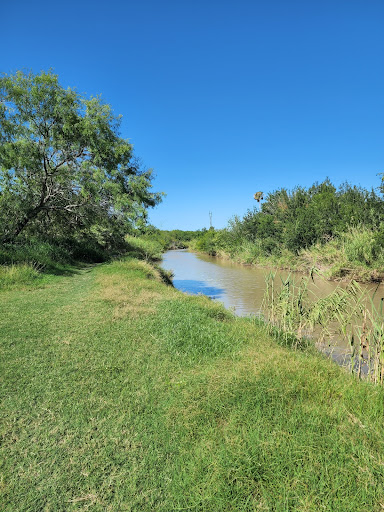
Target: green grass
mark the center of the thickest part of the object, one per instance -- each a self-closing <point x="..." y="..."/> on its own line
<point x="121" y="394"/>
<point x="42" y="254"/>
<point x="18" y="275"/>
<point x="33" y="263"/>
<point x="356" y="254"/>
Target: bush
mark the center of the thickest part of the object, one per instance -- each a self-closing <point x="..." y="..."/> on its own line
<point x="89" y="252"/>
<point x="40" y="254"/>
<point x="207" y="242"/>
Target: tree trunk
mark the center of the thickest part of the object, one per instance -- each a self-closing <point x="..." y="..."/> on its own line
<point x="32" y="214"/>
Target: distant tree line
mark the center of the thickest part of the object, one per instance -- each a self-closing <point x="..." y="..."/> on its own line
<point x="171" y="239"/>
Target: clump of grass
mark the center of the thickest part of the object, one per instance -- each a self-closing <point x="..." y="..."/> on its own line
<point x="361" y="246"/>
<point x="372" y="340"/>
<point x="249" y="252"/>
<point x="142" y="248"/>
<point x="356" y="254"/>
<point x="14" y="275"/>
<point x="363" y="327"/>
<point x="142" y="268"/>
<point x="295" y="311"/>
<point x="43" y="254"/>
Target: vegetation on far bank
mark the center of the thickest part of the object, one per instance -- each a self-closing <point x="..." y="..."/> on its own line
<point x="120" y="393"/>
<point x="340" y="231"/>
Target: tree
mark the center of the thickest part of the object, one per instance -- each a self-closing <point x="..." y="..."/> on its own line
<point x="62" y="159"/>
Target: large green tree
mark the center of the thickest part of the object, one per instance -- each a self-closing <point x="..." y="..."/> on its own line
<point x="63" y="161"/>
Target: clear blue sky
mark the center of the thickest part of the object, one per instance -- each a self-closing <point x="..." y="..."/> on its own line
<point x="221" y="98"/>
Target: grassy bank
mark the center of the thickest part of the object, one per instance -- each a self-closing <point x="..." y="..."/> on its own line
<point x="121" y="394"/>
<point x="356" y="254"/>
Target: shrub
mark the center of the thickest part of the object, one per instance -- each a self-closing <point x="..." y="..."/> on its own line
<point x="41" y="254"/>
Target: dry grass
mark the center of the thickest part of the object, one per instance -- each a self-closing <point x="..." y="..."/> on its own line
<point x="125" y="295"/>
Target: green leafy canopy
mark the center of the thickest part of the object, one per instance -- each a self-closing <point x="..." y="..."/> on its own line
<point x="62" y="159"/>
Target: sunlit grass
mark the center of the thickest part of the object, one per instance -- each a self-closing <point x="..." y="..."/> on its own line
<point x="145" y="248"/>
<point x="18" y="275"/>
<point x="122" y="394"/>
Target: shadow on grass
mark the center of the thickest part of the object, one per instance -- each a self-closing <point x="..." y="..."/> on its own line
<point x="69" y="270"/>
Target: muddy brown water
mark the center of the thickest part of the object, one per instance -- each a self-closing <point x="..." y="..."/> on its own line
<point x="241" y="288"/>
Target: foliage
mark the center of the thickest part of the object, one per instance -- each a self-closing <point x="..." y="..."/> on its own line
<point x="143" y="248"/>
<point x="64" y="169"/>
<point x="362" y="245"/>
<point x="35" y="252"/>
<point x="207" y="242"/>
<point x="357" y="253"/>
<point x="174" y="239"/>
<point x="293" y="227"/>
<point x="16" y="275"/>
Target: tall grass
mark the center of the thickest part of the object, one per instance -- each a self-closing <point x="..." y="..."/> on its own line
<point x="17" y="275"/>
<point x="298" y="314"/>
<point x="25" y="263"/>
<point x="143" y="248"/>
<point x="357" y="253"/>
<point x="43" y="254"/>
<point x="296" y="311"/>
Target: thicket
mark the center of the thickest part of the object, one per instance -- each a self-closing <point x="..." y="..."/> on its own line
<point x="315" y="223"/>
<point x="70" y="187"/>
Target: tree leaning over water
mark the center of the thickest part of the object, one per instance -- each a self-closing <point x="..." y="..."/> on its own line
<point x="63" y="165"/>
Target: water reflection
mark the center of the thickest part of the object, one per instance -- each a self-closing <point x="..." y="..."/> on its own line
<point x="198" y="287"/>
<point x="237" y="287"/>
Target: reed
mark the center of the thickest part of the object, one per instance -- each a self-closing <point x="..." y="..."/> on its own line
<point x="300" y="315"/>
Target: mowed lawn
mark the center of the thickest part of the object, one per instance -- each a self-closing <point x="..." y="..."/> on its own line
<point x="119" y="393"/>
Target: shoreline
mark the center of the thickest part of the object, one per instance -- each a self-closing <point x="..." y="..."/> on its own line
<point x="361" y="275"/>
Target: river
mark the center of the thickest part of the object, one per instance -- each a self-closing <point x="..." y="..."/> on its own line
<point x="241" y="288"/>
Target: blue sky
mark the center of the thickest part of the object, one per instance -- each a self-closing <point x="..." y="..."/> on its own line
<point x="221" y="98"/>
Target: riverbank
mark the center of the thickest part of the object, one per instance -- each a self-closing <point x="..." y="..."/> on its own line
<point x="121" y="393"/>
<point x="340" y="231"/>
<point x="330" y="261"/>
